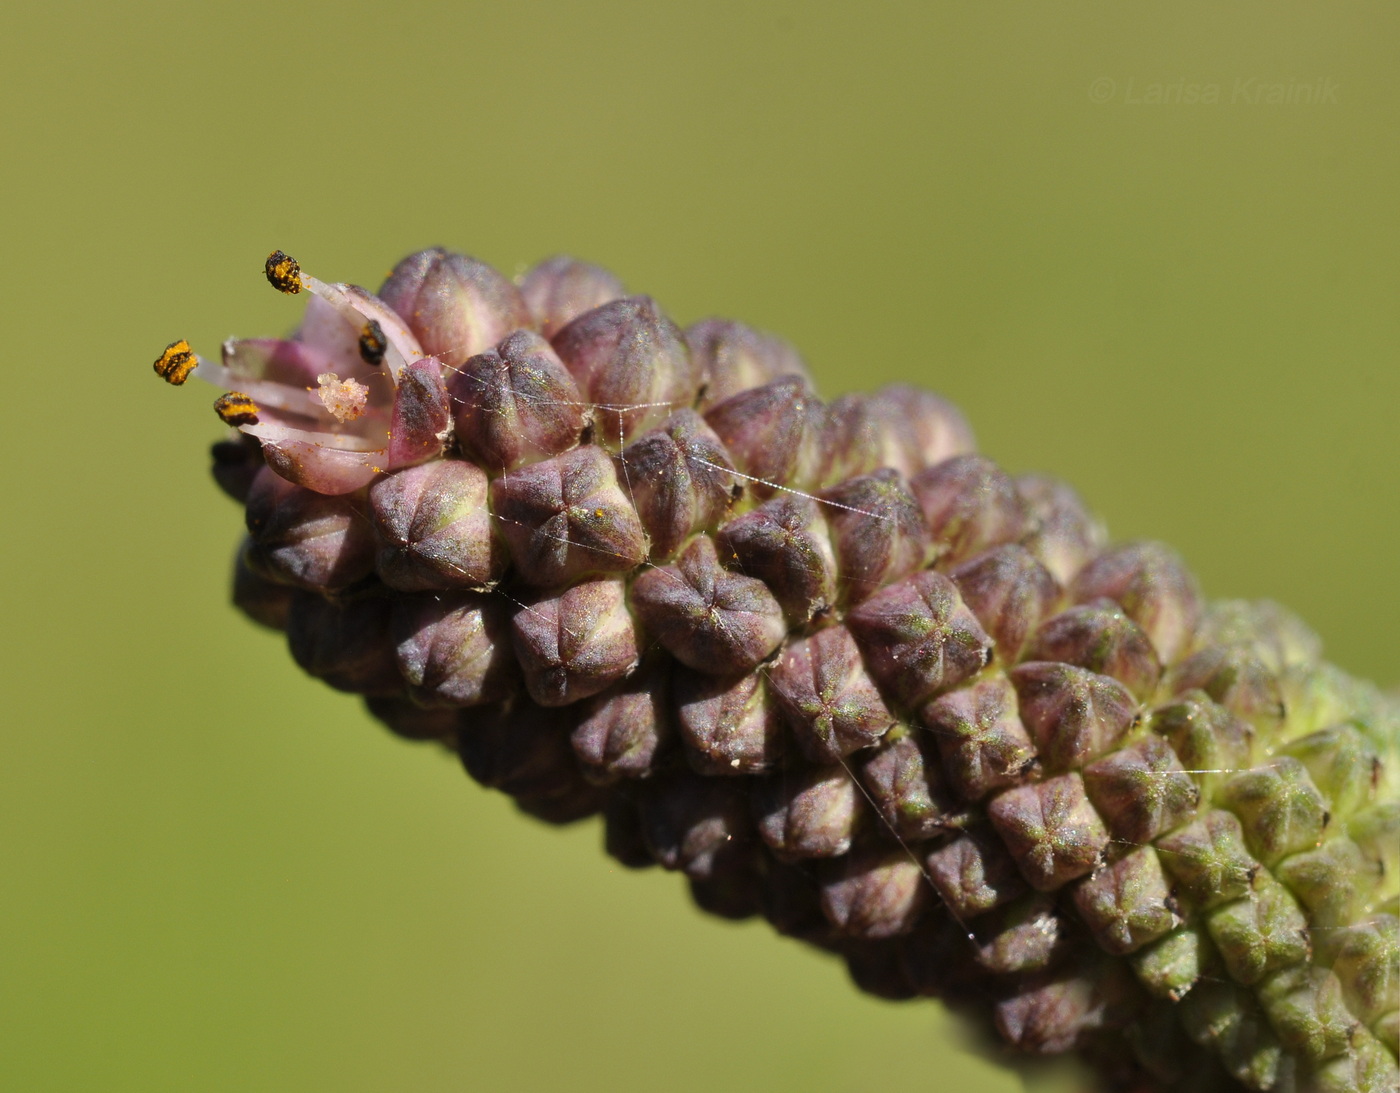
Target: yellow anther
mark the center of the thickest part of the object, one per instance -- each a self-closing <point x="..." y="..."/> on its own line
<point x="283" y="273"/>
<point x="176" y="363"/>
<point x="236" y="408"/>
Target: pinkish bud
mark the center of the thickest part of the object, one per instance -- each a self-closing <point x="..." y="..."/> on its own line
<point x="785" y="544"/>
<point x="1010" y="593"/>
<point x="973" y="874"/>
<point x="1073" y="715"/>
<point x="455" y="305"/>
<point x="310" y="539"/>
<point x="623" y="731"/>
<point x="772" y="434"/>
<point x="1128" y="903"/>
<point x="1062" y="535"/>
<point x="235" y="463"/>
<point x="901" y="427"/>
<point x="576" y="643"/>
<point x="516" y="404"/>
<point x="728" y="726"/>
<point x="567" y="517"/>
<point x="1153" y="586"/>
<point x="877" y="531"/>
<point x="1100" y="637"/>
<point x="422" y="415"/>
<point x="680" y="480"/>
<point x="903" y="780"/>
<point x="1141" y="790"/>
<point x="560" y="289"/>
<point x="980" y="735"/>
<point x="1051" y="829"/>
<point x="731" y="357"/>
<point x="970" y="504"/>
<point x="434" y="528"/>
<point x="826" y="696"/>
<point x="453" y="649"/>
<point x="710" y="619"/>
<point x="1022" y="937"/>
<point x="808" y="812"/>
<point x="874" y="892"/>
<point x="632" y="363"/>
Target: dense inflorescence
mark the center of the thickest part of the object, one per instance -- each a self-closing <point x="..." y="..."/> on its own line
<point x="829" y="663"/>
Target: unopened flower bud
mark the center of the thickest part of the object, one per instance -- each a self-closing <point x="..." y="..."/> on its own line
<point x="1010" y="593"/>
<point x="632" y="363"/>
<point x="807" y="812"/>
<point x="731" y="357"/>
<point x="1020" y="937"/>
<point x="516" y="404"/>
<point x="877" y="531"/>
<point x="1128" y="903"/>
<point x="410" y="721"/>
<point x="1141" y="790"/>
<point x="710" y="619"/>
<point x="1062" y="534"/>
<point x="728" y="726"/>
<point x="560" y="289"/>
<point x="1208" y="739"/>
<point x="1051" y="1017"/>
<point x="680" y="480"/>
<point x="980" y="735"/>
<point x="623" y="731"/>
<point x="265" y="602"/>
<point x="974" y="873"/>
<point x="235" y="464"/>
<point x="919" y="638"/>
<point x="901" y="427"/>
<point x="1152" y="585"/>
<point x="695" y="824"/>
<point x="785" y="544"/>
<point x="575" y="643"/>
<point x="1279" y="807"/>
<point x="434" y="528"/>
<point x="1073" y="715"/>
<point x="567" y="517"/>
<point x="1099" y="636"/>
<point x="970" y="504"/>
<point x="310" y="539"/>
<point x="344" y="642"/>
<point x="1051" y="830"/>
<point x="874" y="892"/>
<point x="422" y="415"/>
<point x="902" y="776"/>
<point x="734" y="888"/>
<point x="455" y="305"/>
<point x="522" y="750"/>
<point x="1209" y="861"/>
<point x="772" y="434"/>
<point x="623" y="839"/>
<point x="453" y="648"/>
<point x="826" y="697"/>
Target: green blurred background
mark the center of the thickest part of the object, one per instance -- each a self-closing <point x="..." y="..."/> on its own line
<point x="219" y="875"/>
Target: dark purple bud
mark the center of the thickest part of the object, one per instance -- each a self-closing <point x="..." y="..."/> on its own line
<point x="792" y="903"/>
<point x="785" y="544"/>
<point x="623" y="839"/>
<point x="1073" y="715"/>
<point x="632" y="363"/>
<point x="422" y="416"/>
<point x="980" y="735"/>
<point x="694" y="824"/>
<point x="434" y="528"/>
<point x="973" y="874"/>
<point x="522" y="750"/>
<point x="1050" y="1017"/>
<point x="516" y="404"/>
<point x="455" y="305"/>
<point x="344" y="642"/>
<point x="1062" y="534"/>
<point x="560" y="289"/>
<point x="874" y="892"/>
<point x="566" y="518"/>
<point x="731" y="357"/>
<point x="807" y="812"/>
<point x="1051" y="830"/>
<point x="772" y="434"/>
<point x="826" y="696"/>
<point x="1021" y="937"/>
<point x="1010" y="593"/>
<point x="1208" y="860"/>
<point x="1208" y="739"/>
<point x="579" y="801"/>
<point x="1153" y="586"/>
<point x="680" y="480"/>
<point x="1236" y="677"/>
<point x="877" y="531"/>
<point x="265" y="602"/>
<point x="970" y="504"/>
<point x="1262" y="934"/>
<point x="235" y="463"/>
<point x="310" y="539"/>
<point x="919" y="638"/>
<point x="1141" y="790"/>
<point x="937" y="958"/>
<point x="1099" y="637"/>
<point x="1279" y="807"/>
<point x="453" y="648"/>
<point x="734" y="888"/>
<point x="410" y="721"/>
<point x="902" y="777"/>
<point x="710" y="619"/>
<point x="1128" y="903"/>
<point x="576" y="643"/>
<point x="877" y="967"/>
<point x="728" y="726"/>
<point x="624" y="730"/>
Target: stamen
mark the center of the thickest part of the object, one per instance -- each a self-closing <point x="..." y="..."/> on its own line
<point x="373" y="344"/>
<point x="344" y="399"/>
<point x="283" y="273"/>
<point x="236" y="409"/>
<point x="176" y="363"/>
